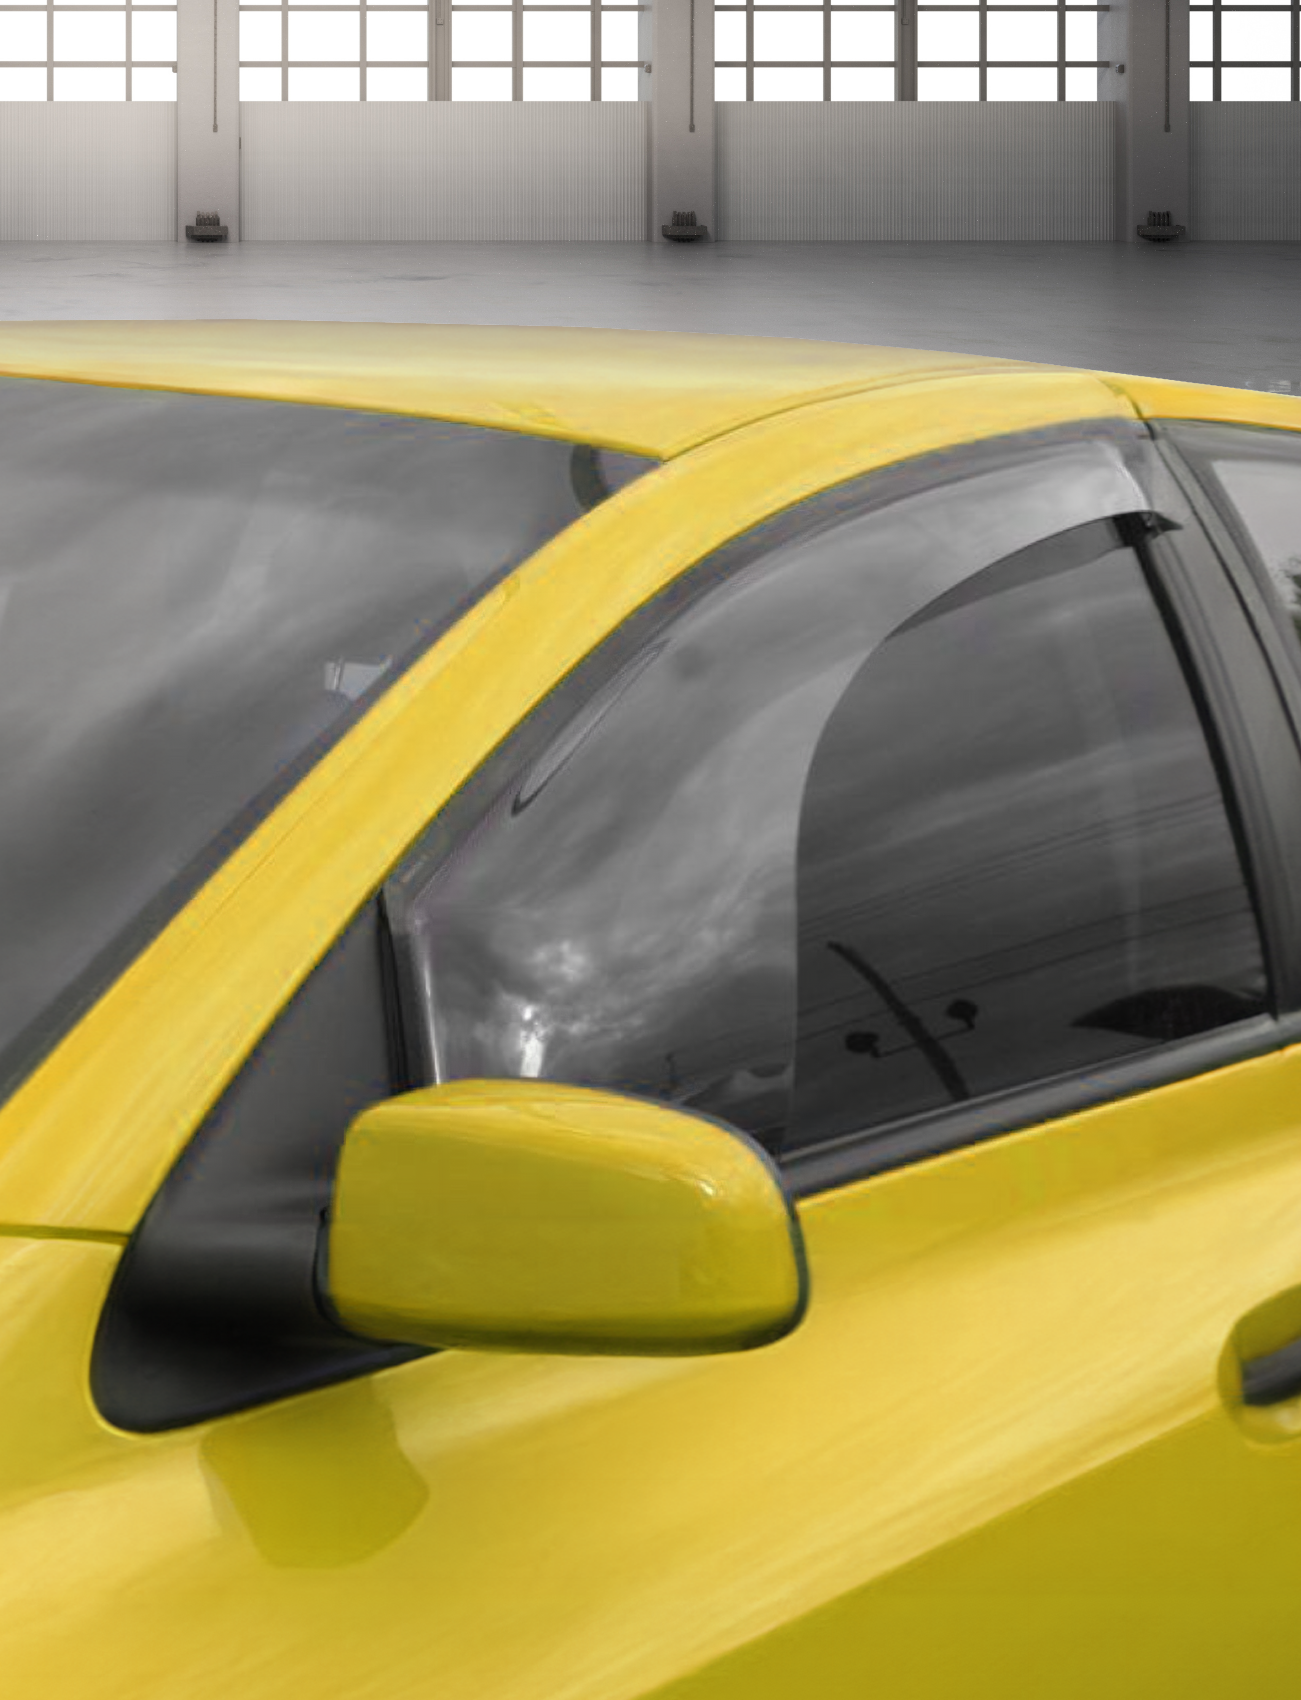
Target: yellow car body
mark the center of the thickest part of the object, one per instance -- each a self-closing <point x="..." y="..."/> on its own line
<point x="1004" y="1454"/>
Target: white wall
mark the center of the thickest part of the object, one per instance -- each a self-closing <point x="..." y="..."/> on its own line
<point x="960" y="171"/>
<point x="412" y="171"/>
<point x="87" y="171"/>
<point x="1246" y="171"/>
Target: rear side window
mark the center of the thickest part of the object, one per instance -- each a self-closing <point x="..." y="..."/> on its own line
<point x="913" y="809"/>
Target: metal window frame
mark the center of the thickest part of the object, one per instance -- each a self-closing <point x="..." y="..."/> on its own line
<point x="906" y="62"/>
<point x="128" y="64"/>
<point x="439" y="63"/>
<point x="1217" y="64"/>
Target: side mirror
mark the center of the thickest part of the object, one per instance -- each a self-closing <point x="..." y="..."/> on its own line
<point x="522" y="1216"/>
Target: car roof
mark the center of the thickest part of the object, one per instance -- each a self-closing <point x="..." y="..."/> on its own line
<point x="652" y="393"/>
<point x="647" y="392"/>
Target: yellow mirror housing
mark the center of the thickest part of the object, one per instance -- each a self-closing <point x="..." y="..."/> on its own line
<point x="526" y="1216"/>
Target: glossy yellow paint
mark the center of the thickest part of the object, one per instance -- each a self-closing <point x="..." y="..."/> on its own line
<point x="521" y="1215"/>
<point x="87" y="1139"/>
<point x="995" y="1460"/>
<point x="1162" y="398"/>
<point x="646" y="392"/>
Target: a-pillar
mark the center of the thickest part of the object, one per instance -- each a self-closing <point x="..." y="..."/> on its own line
<point x="207" y="112"/>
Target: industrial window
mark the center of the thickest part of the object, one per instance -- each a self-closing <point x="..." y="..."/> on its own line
<point x="954" y="50"/>
<point x="500" y="50"/>
<point x="1244" y="51"/>
<point x="82" y="50"/>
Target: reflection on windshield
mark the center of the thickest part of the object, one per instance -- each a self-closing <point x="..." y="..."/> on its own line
<point x="197" y="594"/>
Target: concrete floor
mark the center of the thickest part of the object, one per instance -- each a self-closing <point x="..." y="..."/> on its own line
<point x="1224" y="313"/>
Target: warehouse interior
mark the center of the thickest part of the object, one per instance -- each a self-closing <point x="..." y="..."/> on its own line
<point x="1114" y="185"/>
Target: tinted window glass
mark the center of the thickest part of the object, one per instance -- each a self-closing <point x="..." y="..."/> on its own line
<point x="1014" y="859"/>
<point x="1259" y="473"/>
<point x="197" y="594"/>
<point x="629" y="912"/>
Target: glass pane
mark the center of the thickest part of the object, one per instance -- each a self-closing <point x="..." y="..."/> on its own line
<point x="1021" y="83"/>
<point x="947" y="83"/>
<point x="729" y="36"/>
<point x="324" y="35"/>
<point x="862" y="35"/>
<point x="397" y="83"/>
<point x="460" y="3"/>
<point x="477" y="83"/>
<point x="621" y="83"/>
<point x="259" y="35"/>
<point x="1263" y="84"/>
<point x="1201" y="37"/>
<point x="557" y="83"/>
<point x="485" y="36"/>
<point x="1255" y="35"/>
<point x="84" y="84"/>
<point x="90" y="35"/>
<point x="88" y="3"/>
<point x="23" y="35"/>
<point x="258" y="84"/>
<point x="729" y="83"/>
<point x="324" y="83"/>
<point x="1027" y="35"/>
<point x="1200" y="85"/>
<point x="1090" y="907"/>
<point x="787" y="83"/>
<point x="862" y="83"/>
<point x="923" y="10"/>
<point x="787" y="35"/>
<point x="1081" y="84"/>
<point x="1082" y="36"/>
<point x="947" y="35"/>
<point x="163" y="667"/>
<point x="816" y="3"/>
<point x="619" y="36"/>
<point x="397" y="35"/>
<point x="317" y="3"/>
<point x="22" y="85"/>
<point x="558" y="35"/>
<point x="153" y="35"/>
<point x="1267" y="496"/>
<point x="153" y="82"/>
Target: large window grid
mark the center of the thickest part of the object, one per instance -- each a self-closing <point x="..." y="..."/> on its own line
<point x="62" y="50"/>
<point x="1240" y="51"/>
<point x="387" y="50"/>
<point x="951" y="50"/>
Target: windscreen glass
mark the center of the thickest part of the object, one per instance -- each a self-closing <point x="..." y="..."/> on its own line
<point x="198" y="595"/>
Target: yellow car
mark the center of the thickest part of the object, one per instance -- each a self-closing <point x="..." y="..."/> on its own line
<point x="649" y="1021"/>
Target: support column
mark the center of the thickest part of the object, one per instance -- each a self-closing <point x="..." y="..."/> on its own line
<point x="1150" y="39"/>
<point x="682" y="156"/>
<point x="207" y="112"/>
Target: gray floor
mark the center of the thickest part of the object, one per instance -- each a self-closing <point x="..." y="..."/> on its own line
<point x="1224" y="313"/>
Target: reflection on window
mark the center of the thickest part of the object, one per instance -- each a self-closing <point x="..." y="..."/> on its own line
<point x="87" y="51"/>
<point x="1245" y="51"/>
<point x="311" y="50"/>
<point x="870" y="827"/>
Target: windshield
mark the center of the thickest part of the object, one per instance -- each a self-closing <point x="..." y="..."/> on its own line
<point x="198" y="595"/>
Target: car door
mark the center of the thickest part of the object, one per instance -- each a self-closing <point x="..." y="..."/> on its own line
<point x="1028" y="1257"/>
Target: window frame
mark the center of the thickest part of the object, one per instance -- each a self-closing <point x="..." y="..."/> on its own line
<point x="906" y="62"/>
<point x="1217" y="64"/>
<point x="1202" y="614"/>
<point x="127" y="65"/>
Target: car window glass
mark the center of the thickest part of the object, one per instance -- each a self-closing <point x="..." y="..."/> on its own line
<point x="1260" y="473"/>
<point x="198" y="594"/>
<point x="1014" y="857"/>
<point x="628" y="911"/>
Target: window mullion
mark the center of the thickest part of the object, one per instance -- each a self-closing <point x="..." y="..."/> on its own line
<point x="984" y="50"/>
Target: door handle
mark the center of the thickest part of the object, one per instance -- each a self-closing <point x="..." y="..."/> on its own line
<point x="1272" y="1377"/>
